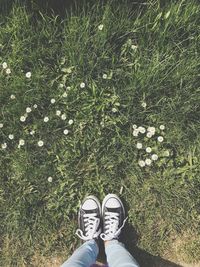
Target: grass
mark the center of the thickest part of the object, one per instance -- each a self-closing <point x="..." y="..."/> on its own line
<point x="99" y="154"/>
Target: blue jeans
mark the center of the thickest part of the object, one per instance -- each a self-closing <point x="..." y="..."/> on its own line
<point x="86" y="255"/>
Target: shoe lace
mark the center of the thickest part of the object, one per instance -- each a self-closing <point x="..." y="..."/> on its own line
<point x="111" y="226"/>
<point x="91" y="223"/>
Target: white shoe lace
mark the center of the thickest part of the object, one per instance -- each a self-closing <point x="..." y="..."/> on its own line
<point x="111" y="226"/>
<point x="91" y="223"/>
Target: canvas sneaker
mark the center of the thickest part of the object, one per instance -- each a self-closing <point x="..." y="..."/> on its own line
<point x="89" y="218"/>
<point x="113" y="214"/>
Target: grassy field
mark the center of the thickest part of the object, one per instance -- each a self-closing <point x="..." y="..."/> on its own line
<point x="78" y="94"/>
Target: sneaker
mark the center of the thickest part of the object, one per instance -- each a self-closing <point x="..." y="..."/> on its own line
<point x="113" y="214"/>
<point x="89" y="218"/>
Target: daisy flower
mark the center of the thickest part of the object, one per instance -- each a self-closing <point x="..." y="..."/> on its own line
<point x="162" y="127"/>
<point x="1" y="125"/>
<point x="28" y="75"/>
<point x="8" y="71"/>
<point x="21" y="142"/>
<point x="149" y="135"/>
<point x="144" y="104"/>
<point x="151" y="130"/>
<point x="11" y="136"/>
<point x="35" y="105"/>
<point x="70" y="122"/>
<point x="22" y="118"/>
<point x="82" y="85"/>
<point x="148" y="162"/>
<point x="4" y="65"/>
<point x="12" y="97"/>
<point x="105" y="76"/>
<point x="65" y="131"/>
<point x="100" y="27"/>
<point x="141" y="129"/>
<point x="28" y="110"/>
<point x="135" y="132"/>
<point x="141" y="163"/>
<point x="64" y="94"/>
<point x="139" y="145"/>
<point x="134" y="126"/>
<point x="46" y="119"/>
<point x="50" y="179"/>
<point x="61" y="85"/>
<point x="63" y="117"/>
<point x="160" y="139"/>
<point x="53" y="101"/>
<point x="4" y="146"/>
<point x="154" y="157"/>
<point x="58" y="112"/>
<point x="148" y="149"/>
<point x="40" y="143"/>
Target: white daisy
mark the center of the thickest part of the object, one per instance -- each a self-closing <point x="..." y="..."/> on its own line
<point x="148" y="162"/>
<point x="105" y="76"/>
<point x="35" y="105"/>
<point x="139" y="145"/>
<point x="63" y="117"/>
<point x="28" y="75"/>
<point x="148" y="149"/>
<point x="64" y="94"/>
<point x="141" y="163"/>
<point x="21" y="142"/>
<point x="22" y="118"/>
<point x="144" y="104"/>
<point x="3" y="146"/>
<point x="162" y="127"/>
<point x="154" y="157"/>
<point x="1" y="125"/>
<point x="82" y="85"/>
<point x="28" y="110"/>
<point x="12" y="97"/>
<point x="135" y="132"/>
<point x="61" y="85"/>
<point x="40" y="143"/>
<point x="70" y="122"/>
<point x="50" y="179"/>
<point x="151" y="130"/>
<point x="149" y="135"/>
<point x="46" y="119"/>
<point x="8" y="71"/>
<point x="68" y="88"/>
<point x="141" y="129"/>
<point x="166" y="153"/>
<point x="4" y="65"/>
<point x="160" y="139"/>
<point x="114" y="110"/>
<point x="58" y="112"/>
<point x="11" y="136"/>
<point x="65" y="131"/>
<point x="100" y="27"/>
<point x="134" y="126"/>
<point x="53" y="101"/>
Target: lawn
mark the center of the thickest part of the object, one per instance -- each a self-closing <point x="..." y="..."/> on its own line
<point x="103" y="98"/>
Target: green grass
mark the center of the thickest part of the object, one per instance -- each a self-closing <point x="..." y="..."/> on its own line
<point x="99" y="154"/>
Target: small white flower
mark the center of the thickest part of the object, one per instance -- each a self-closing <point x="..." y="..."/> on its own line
<point x="64" y="94"/>
<point x="12" y="97"/>
<point x="134" y="47"/>
<point x="40" y="143"/>
<point x="162" y="127"/>
<point x="139" y="145"/>
<point x="141" y="163"/>
<point x="8" y="71"/>
<point x="134" y="126"/>
<point x="65" y="131"/>
<point x="149" y="135"/>
<point x="32" y="132"/>
<point x="148" y="162"/>
<point x="53" y="101"/>
<point x="3" y="146"/>
<point x="50" y="179"/>
<point x="46" y="119"/>
<point x="35" y="105"/>
<point x="166" y="153"/>
<point x="105" y="76"/>
<point x="154" y="157"/>
<point x="100" y="27"/>
<point x="148" y="149"/>
<point x="68" y="88"/>
<point x="151" y="130"/>
<point x="144" y="104"/>
<point x="28" y="110"/>
<point x="82" y="85"/>
<point x="28" y="75"/>
<point x="11" y="136"/>
<point x="61" y="85"/>
<point x="63" y="117"/>
<point x="58" y="112"/>
<point x="21" y="142"/>
<point x="135" y="132"/>
<point x="4" y="65"/>
<point x="1" y="125"/>
<point x="22" y="118"/>
<point x="160" y="139"/>
<point x="114" y="110"/>
<point x="141" y="129"/>
<point x="70" y="122"/>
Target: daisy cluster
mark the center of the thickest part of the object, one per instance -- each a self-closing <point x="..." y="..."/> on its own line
<point x="149" y="142"/>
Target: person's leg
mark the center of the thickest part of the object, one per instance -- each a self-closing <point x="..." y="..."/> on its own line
<point x="118" y="256"/>
<point x="113" y="214"/>
<point x="84" y="256"/>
